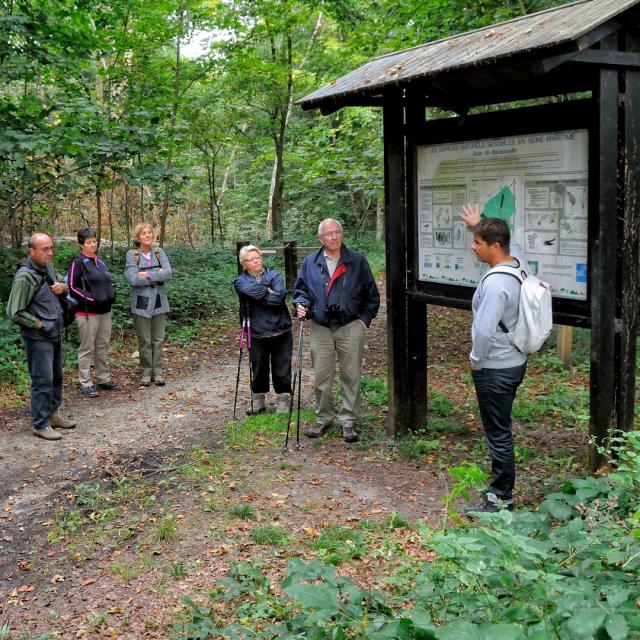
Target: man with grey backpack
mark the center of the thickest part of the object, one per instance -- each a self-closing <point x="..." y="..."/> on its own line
<point x="34" y="304"/>
<point x="498" y="364"/>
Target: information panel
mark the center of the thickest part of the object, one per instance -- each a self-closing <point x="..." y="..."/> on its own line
<point x="537" y="183"/>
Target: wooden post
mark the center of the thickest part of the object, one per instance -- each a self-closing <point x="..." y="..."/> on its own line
<point x="416" y="309"/>
<point x="239" y="245"/>
<point x="564" y="344"/>
<point x="398" y="418"/>
<point x="630" y="248"/>
<point x="290" y="263"/>
<point x="603" y="233"/>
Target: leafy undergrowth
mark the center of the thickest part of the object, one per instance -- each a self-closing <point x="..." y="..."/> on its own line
<point x="568" y="570"/>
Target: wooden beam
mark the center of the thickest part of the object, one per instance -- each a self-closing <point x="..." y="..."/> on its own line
<point x="598" y="57"/>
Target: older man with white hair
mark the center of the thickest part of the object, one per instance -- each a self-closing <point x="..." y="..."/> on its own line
<point x="336" y="290"/>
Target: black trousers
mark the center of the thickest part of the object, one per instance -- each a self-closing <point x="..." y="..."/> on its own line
<point x="272" y="353"/>
<point x="496" y="390"/>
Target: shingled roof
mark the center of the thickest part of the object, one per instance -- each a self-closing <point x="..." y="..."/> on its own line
<point x="571" y="27"/>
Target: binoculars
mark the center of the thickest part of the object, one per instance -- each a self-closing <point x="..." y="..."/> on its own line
<point x="334" y="312"/>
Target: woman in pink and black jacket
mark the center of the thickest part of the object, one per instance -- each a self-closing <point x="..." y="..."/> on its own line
<point x="90" y="285"/>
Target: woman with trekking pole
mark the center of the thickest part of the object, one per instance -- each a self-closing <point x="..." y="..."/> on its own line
<point x="264" y="314"/>
<point x="147" y="269"/>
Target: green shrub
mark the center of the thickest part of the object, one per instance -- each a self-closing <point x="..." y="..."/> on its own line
<point x="568" y="570"/>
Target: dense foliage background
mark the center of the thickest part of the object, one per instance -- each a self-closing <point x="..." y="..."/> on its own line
<point x="183" y="112"/>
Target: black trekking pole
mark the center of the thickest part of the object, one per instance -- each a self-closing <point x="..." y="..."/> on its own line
<point x="297" y="379"/>
<point x="250" y="369"/>
<point x="235" y="401"/>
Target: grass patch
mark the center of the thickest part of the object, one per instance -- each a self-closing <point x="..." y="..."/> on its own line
<point x="166" y="529"/>
<point x="439" y="403"/>
<point x="412" y="447"/>
<point x="271" y="535"/>
<point x="445" y="425"/>
<point x="337" y="544"/>
<point x="201" y="463"/>
<point x="177" y="570"/>
<point x="269" y="427"/>
<point x="374" y="391"/>
<point x="242" y="511"/>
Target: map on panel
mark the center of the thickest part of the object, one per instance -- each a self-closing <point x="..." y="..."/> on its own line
<point x="536" y="183"/>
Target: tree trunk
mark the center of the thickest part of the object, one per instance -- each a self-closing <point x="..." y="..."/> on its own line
<point x="380" y="218"/>
<point x="276" y="189"/>
<point x="99" y="210"/>
<point x="174" y="117"/>
<point x="127" y="222"/>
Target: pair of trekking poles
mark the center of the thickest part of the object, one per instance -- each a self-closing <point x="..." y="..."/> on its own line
<point x="245" y="336"/>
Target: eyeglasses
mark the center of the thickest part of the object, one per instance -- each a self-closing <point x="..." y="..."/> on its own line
<point x="331" y="234"/>
<point x="256" y="259"/>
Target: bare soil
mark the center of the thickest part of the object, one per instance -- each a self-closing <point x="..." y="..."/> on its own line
<point x="115" y="577"/>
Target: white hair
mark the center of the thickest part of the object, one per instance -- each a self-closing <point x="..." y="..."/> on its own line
<point x="248" y="248"/>
<point x="328" y="220"/>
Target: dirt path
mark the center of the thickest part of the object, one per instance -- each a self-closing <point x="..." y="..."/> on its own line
<point x="172" y="502"/>
<point x="68" y="585"/>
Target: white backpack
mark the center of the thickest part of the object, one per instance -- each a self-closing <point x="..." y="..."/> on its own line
<point x="535" y="318"/>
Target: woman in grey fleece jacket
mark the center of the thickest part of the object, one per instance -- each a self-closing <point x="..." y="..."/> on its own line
<point x="147" y="270"/>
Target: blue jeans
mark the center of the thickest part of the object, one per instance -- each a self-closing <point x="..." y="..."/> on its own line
<point x="45" y="368"/>
<point x="495" y="390"/>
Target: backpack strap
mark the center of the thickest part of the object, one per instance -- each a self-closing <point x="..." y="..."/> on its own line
<point x="136" y="255"/>
<point x="515" y="272"/>
<point x="40" y="280"/>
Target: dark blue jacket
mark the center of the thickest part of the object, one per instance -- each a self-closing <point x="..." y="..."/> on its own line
<point x="268" y="312"/>
<point x="355" y="291"/>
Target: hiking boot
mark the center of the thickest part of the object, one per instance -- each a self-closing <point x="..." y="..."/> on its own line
<point x="47" y="433"/>
<point x="159" y="381"/>
<point x="88" y="392"/>
<point x="259" y="404"/>
<point x="145" y="381"/>
<point x="108" y="386"/>
<point x="316" y="430"/>
<point x="490" y="504"/>
<point x="60" y="422"/>
<point x="283" y="402"/>
<point x="349" y="433"/>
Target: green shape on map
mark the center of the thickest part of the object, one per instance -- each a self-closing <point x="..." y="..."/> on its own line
<point x="502" y="205"/>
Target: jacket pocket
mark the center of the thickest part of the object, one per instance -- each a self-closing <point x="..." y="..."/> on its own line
<point x="49" y="328"/>
<point x="142" y="303"/>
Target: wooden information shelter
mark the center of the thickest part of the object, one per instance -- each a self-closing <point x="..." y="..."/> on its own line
<point x="581" y="62"/>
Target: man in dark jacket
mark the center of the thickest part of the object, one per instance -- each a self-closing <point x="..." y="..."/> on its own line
<point x="34" y="304"/>
<point x="336" y="290"/>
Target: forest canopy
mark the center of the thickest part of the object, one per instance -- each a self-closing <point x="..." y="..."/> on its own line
<point x="182" y="112"/>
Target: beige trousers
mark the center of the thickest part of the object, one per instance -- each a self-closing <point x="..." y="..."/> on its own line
<point x="343" y="346"/>
<point x="95" y="336"/>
